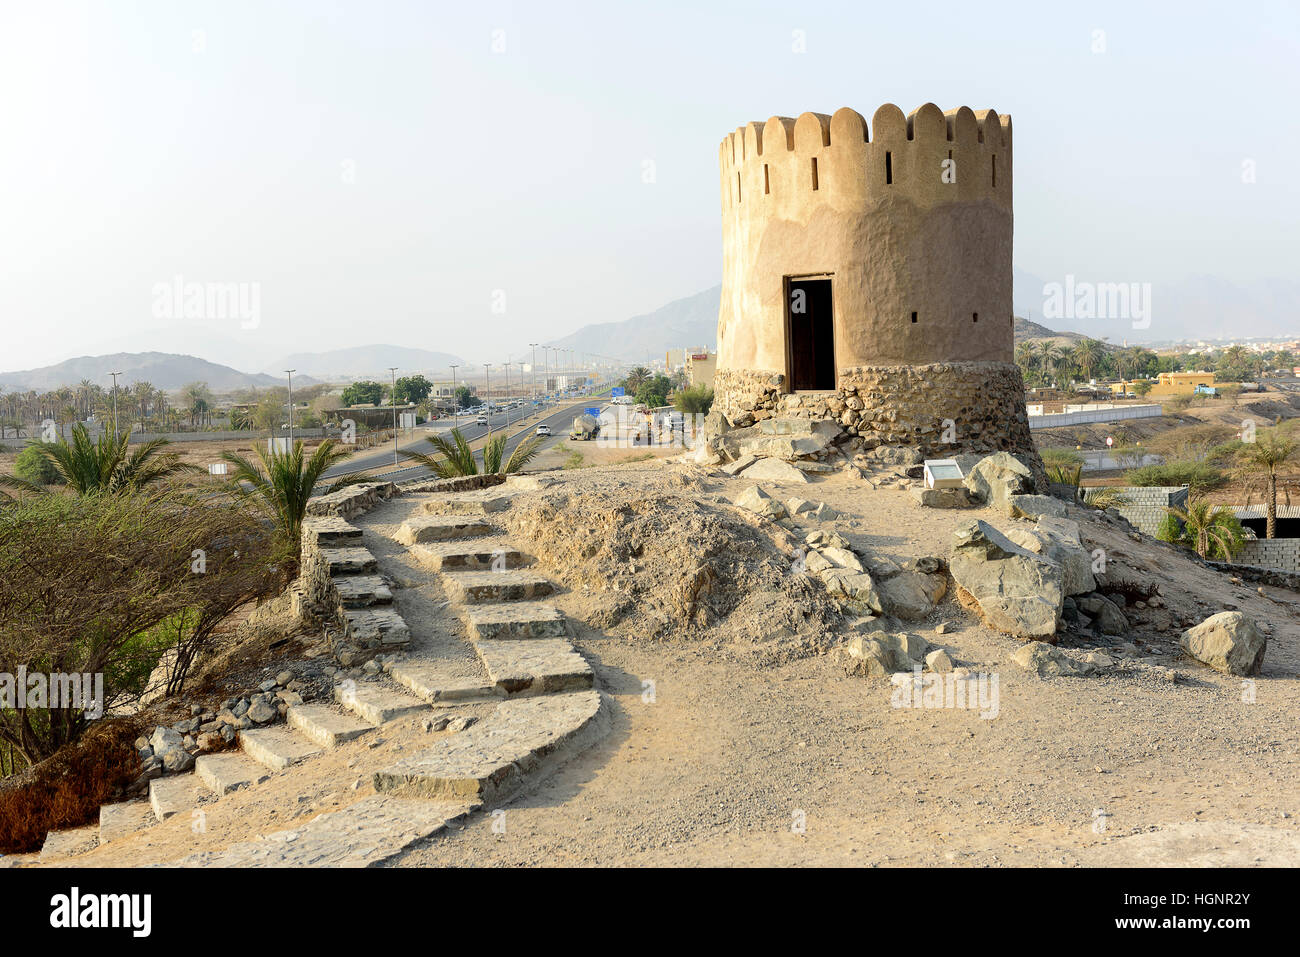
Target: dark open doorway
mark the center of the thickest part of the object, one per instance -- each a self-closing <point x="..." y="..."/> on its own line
<point x="810" y="334"/>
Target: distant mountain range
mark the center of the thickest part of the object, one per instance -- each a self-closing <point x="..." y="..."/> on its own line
<point x="688" y="322"/>
<point x="163" y="370"/>
<point x="367" y="362"/>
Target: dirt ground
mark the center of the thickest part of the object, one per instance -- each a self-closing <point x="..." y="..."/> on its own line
<point x="719" y="756"/>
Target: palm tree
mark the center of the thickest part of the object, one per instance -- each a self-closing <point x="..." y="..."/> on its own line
<point x="1086" y="355"/>
<point x="106" y="465"/>
<point x="637" y="378"/>
<point x="282" y="482"/>
<point x="1048" y="355"/>
<point x="1263" y="459"/>
<point x="457" y="458"/>
<point x="1211" y="530"/>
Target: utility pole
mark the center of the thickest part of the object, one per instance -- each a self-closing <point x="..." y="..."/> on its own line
<point x="507" y="366"/>
<point x="115" y="375"/>
<point x="393" y="396"/>
<point x="487" y="392"/>
<point x="455" y="400"/>
<point x="291" y="372"/>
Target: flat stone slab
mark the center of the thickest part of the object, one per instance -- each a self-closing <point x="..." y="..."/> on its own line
<point x="540" y="666"/>
<point x="173" y="794"/>
<point x="229" y="772"/>
<point x="322" y="725"/>
<point x="277" y="747"/>
<point x="430" y="682"/>
<point x="349" y="560"/>
<point x="118" y="820"/>
<point x="368" y="833"/>
<point x="373" y="627"/>
<point x="361" y="591"/>
<point x="440" y="528"/>
<point x="481" y="554"/>
<point x="517" y="745"/>
<point x="74" y="840"/>
<point x="524" y="619"/>
<point x="512" y="585"/>
<point x="375" y="703"/>
<point x="483" y="502"/>
<point x="329" y="530"/>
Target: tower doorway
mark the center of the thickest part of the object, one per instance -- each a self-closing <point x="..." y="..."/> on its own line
<point x="809" y="334"/>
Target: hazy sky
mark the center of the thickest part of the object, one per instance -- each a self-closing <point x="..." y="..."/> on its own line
<point x="391" y="171"/>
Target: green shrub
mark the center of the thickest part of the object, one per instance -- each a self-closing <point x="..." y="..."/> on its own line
<point x="1201" y="476"/>
<point x="1058" y="457"/>
<point x="696" y="400"/>
<point x="33" y="466"/>
<point x="1170" y="529"/>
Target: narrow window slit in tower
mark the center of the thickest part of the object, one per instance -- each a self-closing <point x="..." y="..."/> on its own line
<point x="974" y="317"/>
<point x="767" y="187"/>
<point x="914" y="317"/>
<point x="889" y="168"/>
<point x="995" y="170"/>
<point x="814" y="172"/>
<point x="738" y="196"/>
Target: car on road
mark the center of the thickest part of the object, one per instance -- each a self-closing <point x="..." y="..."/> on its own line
<point x="481" y="420"/>
<point x="544" y="430"/>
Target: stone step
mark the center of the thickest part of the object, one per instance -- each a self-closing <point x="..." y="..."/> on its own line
<point x="378" y="627"/>
<point x="361" y="591"/>
<point x="484" y="502"/>
<point x="322" y="725"/>
<point x="518" y="744"/>
<point x="431" y="683"/>
<point x="276" y="747"/>
<point x="70" y="842"/>
<point x="540" y="666"/>
<point x="375" y="702"/>
<point x="118" y="820"/>
<point x="349" y="560"/>
<point x="173" y="794"/>
<point x="368" y="833"/>
<point x="514" y="585"/>
<point x="327" y="530"/>
<point x="420" y="529"/>
<point x="521" y="619"/>
<point x="229" y="772"/>
<point x="486" y="554"/>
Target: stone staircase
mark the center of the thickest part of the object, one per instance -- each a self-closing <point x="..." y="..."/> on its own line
<point x="546" y="708"/>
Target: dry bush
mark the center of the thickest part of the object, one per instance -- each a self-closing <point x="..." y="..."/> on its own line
<point x="67" y="790"/>
<point x="96" y="585"/>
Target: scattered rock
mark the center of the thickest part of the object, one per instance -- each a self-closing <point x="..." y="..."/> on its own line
<point x="1046" y="661"/>
<point x="995" y="478"/>
<point x="760" y="503"/>
<point x="1018" y="592"/>
<point x="775" y="470"/>
<point x="938" y="661"/>
<point x="943" y="497"/>
<point x="1034" y="507"/>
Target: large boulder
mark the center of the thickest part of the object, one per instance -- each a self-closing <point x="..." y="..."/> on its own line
<point x="997" y="477"/>
<point x="775" y="470"/>
<point x="1228" y="642"/>
<point x="1105" y="613"/>
<point x="1034" y="507"/>
<point x="1018" y="592"/>
<point x="1057" y="540"/>
<point x="879" y="654"/>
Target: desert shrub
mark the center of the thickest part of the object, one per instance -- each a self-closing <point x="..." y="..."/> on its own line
<point x="1169" y="529"/>
<point x="34" y="466"/>
<point x="1056" y="457"/>
<point x="1176" y="403"/>
<point x="1201" y="476"/>
<point x="68" y="789"/>
<point x="91" y="584"/>
<point x="696" y="400"/>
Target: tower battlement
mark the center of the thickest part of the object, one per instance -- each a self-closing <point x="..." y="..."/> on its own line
<point x="928" y="157"/>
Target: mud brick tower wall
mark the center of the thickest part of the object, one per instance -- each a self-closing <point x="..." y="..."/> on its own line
<point x="867" y="277"/>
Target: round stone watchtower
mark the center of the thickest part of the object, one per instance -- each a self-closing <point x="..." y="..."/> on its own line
<point x="867" y="277"/>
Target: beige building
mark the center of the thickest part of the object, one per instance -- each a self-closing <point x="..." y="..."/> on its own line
<point x="700" y="367"/>
<point x="867" y="275"/>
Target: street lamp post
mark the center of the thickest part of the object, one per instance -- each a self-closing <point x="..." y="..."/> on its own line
<point x="507" y="392"/>
<point x="487" y="392"/>
<point x="115" y="375"/>
<point x="455" y="400"/>
<point x="393" y="371"/>
<point x="290" y="372"/>
<point x="534" y="348"/>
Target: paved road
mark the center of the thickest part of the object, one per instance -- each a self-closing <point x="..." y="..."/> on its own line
<point x="559" y="420"/>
